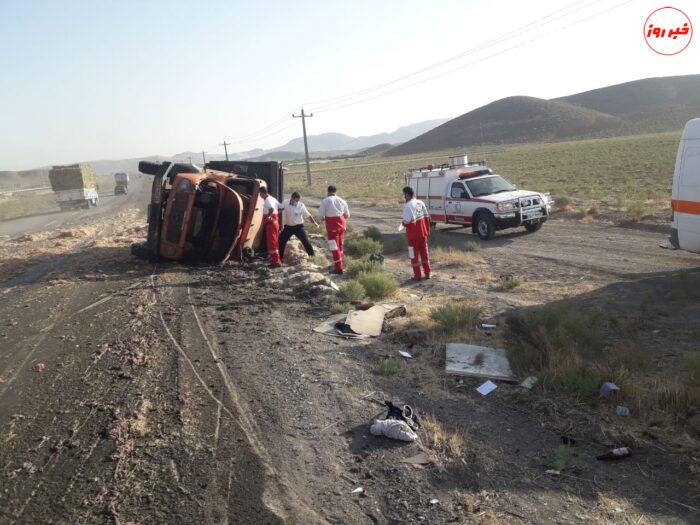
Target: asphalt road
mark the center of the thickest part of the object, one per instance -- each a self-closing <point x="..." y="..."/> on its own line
<point x="56" y="218"/>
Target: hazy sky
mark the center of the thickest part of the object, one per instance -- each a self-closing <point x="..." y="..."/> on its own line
<point x="88" y="80"/>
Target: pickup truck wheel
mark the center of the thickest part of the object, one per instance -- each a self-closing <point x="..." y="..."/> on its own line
<point x="485" y="227"/>
<point x="533" y="226"/>
<point x="433" y="225"/>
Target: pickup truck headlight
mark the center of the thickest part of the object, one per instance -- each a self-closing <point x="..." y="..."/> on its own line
<point x="507" y="206"/>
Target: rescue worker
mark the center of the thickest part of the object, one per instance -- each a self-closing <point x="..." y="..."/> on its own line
<point x="294" y="213"/>
<point x="272" y="226"/>
<point x="416" y="220"/>
<point x="335" y="212"/>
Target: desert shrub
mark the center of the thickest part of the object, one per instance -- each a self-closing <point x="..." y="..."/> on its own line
<point x="373" y="232"/>
<point x="353" y="290"/>
<point x="562" y="202"/>
<point x="341" y="308"/>
<point x="692" y="365"/>
<point x="357" y="267"/>
<point x="319" y="259"/>
<point x="362" y="246"/>
<point x="562" y="458"/>
<point x="388" y="367"/>
<point x="456" y="315"/>
<point x="583" y="381"/>
<point x="472" y="246"/>
<point x="378" y="285"/>
<point x="394" y="243"/>
<point x="454" y="258"/>
<point x="551" y="339"/>
<point x="634" y="211"/>
<point x="512" y="281"/>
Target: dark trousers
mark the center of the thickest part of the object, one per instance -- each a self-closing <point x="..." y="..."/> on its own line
<point x="300" y="233"/>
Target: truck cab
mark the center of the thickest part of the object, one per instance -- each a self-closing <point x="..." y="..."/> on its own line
<point x="472" y="195"/>
<point x="685" y="195"/>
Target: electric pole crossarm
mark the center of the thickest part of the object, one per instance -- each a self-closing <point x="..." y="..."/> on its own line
<point x="303" y="116"/>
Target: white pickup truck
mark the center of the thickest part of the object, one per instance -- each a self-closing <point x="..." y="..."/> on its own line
<point x="472" y="195"/>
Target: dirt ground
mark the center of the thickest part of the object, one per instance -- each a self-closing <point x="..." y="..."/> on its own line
<point x="134" y="393"/>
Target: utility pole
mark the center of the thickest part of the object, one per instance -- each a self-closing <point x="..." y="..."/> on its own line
<point x="204" y="158"/>
<point x="224" y="144"/>
<point x="190" y="157"/>
<point x="303" y="118"/>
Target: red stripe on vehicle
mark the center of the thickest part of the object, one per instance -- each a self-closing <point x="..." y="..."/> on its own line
<point x="690" y="207"/>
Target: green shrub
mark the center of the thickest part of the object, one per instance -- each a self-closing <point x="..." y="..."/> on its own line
<point x="512" y="281"/>
<point x="341" y="308"/>
<point x="362" y="246"/>
<point x="635" y="211"/>
<point x="353" y="290"/>
<point x="378" y="285"/>
<point x="456" y="315"/>
<point x="395" y="243"/>
<point x="562" y="458"/>
<point x="692" y="365"/>
<point x="363" y="265"/>
<point x="562" y="202"/>
<point x="472" y="246"/>
<point x="582" y="381"/>
<point x="373" y="233"/>
<point x="319" y="259"/>
<point x="388" y="367"/>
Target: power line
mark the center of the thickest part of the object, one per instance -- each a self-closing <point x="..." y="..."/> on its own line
<point x="331" y="107"/>
<point x="470" y="51"/>
<point x="224" y="144"/>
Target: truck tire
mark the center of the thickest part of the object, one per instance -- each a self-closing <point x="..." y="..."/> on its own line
<point x="433" y="225"/>
<point x="532" y="227"/>
<point x="485" y="227"/>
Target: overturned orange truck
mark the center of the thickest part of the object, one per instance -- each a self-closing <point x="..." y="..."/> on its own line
<point x="210" y="215"/>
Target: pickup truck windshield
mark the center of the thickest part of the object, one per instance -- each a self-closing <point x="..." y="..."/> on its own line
<point x="489" y="185"/>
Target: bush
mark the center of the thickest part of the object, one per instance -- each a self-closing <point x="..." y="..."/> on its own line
<point x="562" y="202"/>
<point x="378" y="285"/>
<point x="551" y="340"/>
<point x="355" y="268"/>
<point x="456" y="315"/>
<point x="373" y="233"/>
<point x="635" y="211"/>
<point x="472" y="246"/>
<point x="395" y="243"/>
<point x="319" y="259"/>
<point x="353" y="290"/>
<point x="388" y="367"/>
<point x="512" y="281"/>
<point x="341" y="308"/>
<point x="362" y="246"/>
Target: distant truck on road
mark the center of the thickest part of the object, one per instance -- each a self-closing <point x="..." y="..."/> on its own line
<point x="74" y="185"/>
<point x="121" y="183"/>
<point x="471" y="195"/>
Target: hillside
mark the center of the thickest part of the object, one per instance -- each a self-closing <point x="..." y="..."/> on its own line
<point x="511" y="120"/>
<point x="641" y="106"/>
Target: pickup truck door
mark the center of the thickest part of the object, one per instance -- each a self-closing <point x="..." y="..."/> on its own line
<point x="455" y="203"/>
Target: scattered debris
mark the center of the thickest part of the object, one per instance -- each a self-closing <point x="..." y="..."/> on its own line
<point x="336" y="326"/>
<point x="358" y="490"/>
<point x="488" y="326"/>
<point x="567" y="440"/>
<point x="667" y="246"/>
<point x="394" y="310"/>
<point x="418" y="459"/>
<point x="405" y="354"/>
<point x="394" y="429"/>
<point x="622" y="411"/>
<point x="486" y="388"/>
<point x="39" y="367"/>
<point x="377" y="258"/>
<point x="434" y="501"/>
<point x="367" y="322"/>
<point x="553" y="472"/>
<point x="529" y="382"/>
<point x="478" y="361"/>
<point x="608" y="388"/>
<point x="27" y="237"/>
<point x="614" y="454"/>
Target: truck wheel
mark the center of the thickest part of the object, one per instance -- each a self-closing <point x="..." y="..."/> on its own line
<point x="485" y="227"/>
<point x="532" y="227"/>
<point x="433" y="225"/>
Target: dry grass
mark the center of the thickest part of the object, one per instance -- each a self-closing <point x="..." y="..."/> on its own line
<point x="450" y="444"/>
<point x="454" y="258"/>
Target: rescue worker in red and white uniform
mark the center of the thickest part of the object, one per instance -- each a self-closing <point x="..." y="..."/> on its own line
<point x="335" y="212"/>
<point x="272" y="226"/>
<point x="416" y="220"/>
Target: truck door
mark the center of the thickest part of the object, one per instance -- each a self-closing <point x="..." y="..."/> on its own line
<point x="455" y="203"/>
<point x="687" y="205"/>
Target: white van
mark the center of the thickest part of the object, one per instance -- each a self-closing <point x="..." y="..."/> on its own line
<point x="472" y="195"/>
<point x="685" y="196"/>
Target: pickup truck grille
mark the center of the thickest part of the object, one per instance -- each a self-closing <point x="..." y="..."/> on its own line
<point x="527" y="202"/>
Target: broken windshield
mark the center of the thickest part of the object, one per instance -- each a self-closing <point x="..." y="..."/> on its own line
<point x="489" y="185"/>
